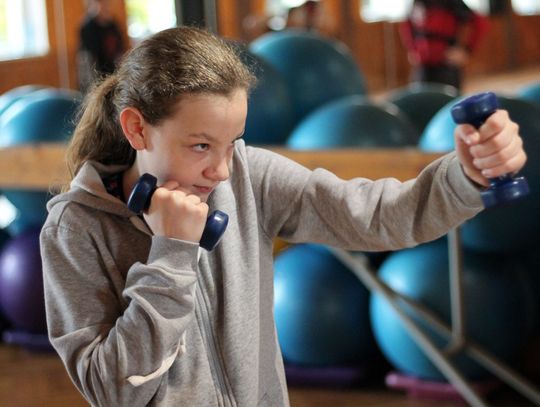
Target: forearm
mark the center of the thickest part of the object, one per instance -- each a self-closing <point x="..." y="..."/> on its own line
<point x="386" y="214"/>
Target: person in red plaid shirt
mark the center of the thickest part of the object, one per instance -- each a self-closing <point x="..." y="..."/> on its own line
<point x="439" y="36"/>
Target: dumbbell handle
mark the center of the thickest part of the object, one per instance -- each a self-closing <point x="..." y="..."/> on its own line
<point x="475" y="110"/>
<point x="139" y="201"/>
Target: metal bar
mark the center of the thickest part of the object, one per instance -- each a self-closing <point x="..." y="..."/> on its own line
<point x="431" y="351"/>
<point x="455" y="259"/>
<point x="210" y="15"/>
<point x="62" y="57"/>
<point x="489" y="362"/>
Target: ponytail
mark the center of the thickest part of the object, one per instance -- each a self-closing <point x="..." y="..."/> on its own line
<point x="98" y="135"/>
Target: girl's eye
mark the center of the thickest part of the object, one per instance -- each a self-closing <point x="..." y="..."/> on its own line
<point x="201" y="147"/>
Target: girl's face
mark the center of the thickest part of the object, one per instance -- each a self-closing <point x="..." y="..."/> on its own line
<point x="194" y="147"/>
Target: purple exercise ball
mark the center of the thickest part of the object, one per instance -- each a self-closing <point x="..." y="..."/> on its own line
<point x="21" y="283"/>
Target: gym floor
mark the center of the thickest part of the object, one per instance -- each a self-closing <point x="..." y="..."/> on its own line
<point x="39" y="379"/>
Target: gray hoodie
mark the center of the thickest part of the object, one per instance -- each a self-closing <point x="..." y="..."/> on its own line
<point x="141" y="320"/>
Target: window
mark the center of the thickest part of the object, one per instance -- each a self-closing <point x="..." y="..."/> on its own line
<point x="278" y="10"/>
<point x="146" y="17"/>
<point x="526" y="7"/>
<point x="389" y="10"/>
<point x="396" y="10"/>
<point x="280" y="7"/>
<point x="23" y="29"/>
<point x="7" y="212"/>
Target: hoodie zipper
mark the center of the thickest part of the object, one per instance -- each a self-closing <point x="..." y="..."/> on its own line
<point x="214" y="356"/>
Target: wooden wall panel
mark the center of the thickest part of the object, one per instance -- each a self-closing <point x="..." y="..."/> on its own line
<point x="514" y="42"/>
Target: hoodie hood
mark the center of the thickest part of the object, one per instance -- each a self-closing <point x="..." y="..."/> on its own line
<point x="87" y="189"/>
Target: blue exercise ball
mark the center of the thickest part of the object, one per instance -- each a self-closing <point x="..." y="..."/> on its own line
<point x="490" y="231"/>
<point x="46" y="115"/>
<point x="530" y="92"/>
<point x="498" y="308"/>
<point x="21" y="283"/>
<point x="316" y="69"/>
<point x="270" y="118"/>
<point x="42" y="116"/>
<point x="321" y="309"/>
<point x="11" y="96"/>
<point x="353" y="121"/>
<point x="420" y="101"/>
<point x="532" y="262"/>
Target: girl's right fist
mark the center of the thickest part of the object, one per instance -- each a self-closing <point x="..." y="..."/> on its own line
<point x="176" y="214"/>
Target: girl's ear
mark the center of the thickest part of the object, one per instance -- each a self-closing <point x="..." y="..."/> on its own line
<point x="132" y="122"/>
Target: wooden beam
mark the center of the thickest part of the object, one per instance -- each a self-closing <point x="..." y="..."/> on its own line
<point x="402" y="164"/>
<point x="37" y="166"/>
<point x="42" y="166"/>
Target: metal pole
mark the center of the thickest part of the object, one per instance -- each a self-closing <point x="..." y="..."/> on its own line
<point x="491" y="363"/>
<point x="431" y="351"/>
<point x="210" y="15"/>
<point x="455" y="259"/>
<point x="198" y="13"/>
<point x="63" y="60"/>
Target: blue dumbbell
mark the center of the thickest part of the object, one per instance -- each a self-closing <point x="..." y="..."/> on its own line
<point x="474" y="111"/>
<point x="139" y="201"/>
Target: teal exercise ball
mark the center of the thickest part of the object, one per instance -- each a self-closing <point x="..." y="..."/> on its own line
<point x="420" y="101"/>
<point x="532" y="263"/>
<point x="270" y="117"/>
<point x="353" y="121"/>
<point x="490" y="231"/>
<point x="42" y="116"/>
<point x="530" y="92"/>
<point x="321" y="309"/>
<point x="498" y="308"/>
<point x="438" y="134"/>
<point x="316" y="69"/>
<point x="46" y="115"/>
<point x="12" y="95"/>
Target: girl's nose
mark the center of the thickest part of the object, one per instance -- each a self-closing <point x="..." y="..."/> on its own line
<point x="220" y="171"/>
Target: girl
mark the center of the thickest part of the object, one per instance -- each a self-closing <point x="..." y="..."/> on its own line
<point x="137" y="314"/>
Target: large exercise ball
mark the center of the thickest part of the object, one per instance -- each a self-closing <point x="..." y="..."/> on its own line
<point x="420" y="101"/>
<point x="21" y="283"/>
<point x="498" y="308"/>
<point x="321" y="309"/>
<point x="353" y="121"/>
<point x="42" y="116"/>
<point x="270" y="117"/>
<point x="13" y="95"/>
<point x="530" y="92"/>
<point x="510" y="228"/>
<point x="316" y="69"/>
<point x="4" y="238"/>
<point x="46" y="115"/>
<point x="532" y="263"/>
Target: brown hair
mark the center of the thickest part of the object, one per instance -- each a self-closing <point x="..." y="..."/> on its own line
<point x="152" y="78"/>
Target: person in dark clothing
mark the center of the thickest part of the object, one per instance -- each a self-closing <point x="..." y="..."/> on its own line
<point x="101" y="43"/>
<point x="439" y="36"/>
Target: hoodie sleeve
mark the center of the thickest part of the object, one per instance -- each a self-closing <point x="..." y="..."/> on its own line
<point x="360" y="214"/>
<point x="116" y="350"/>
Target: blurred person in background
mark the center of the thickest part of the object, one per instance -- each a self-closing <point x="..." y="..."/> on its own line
<point x="101" y="43"/>
<point x="440" y="36"/>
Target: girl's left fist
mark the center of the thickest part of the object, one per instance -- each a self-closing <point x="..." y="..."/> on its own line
<point x="492" y="150"/>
